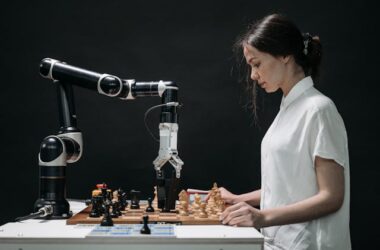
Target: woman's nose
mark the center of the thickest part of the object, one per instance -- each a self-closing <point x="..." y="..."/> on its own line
<point x="254" y="75"/>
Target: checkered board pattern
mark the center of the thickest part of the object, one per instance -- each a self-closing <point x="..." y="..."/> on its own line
<point x="132" y="230"/>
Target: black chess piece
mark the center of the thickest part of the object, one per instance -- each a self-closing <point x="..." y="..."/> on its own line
<point x="118" y="208"/>
<point x="114" y="213"/>
<point x="150" y="207"/>
<point x="95" y="209"/>
<point x="122" y="199"/>
<point x="145" y="229"/>
<point x="99" y="204"/>
<point x="107" y="220"/>
<point x="135" y="199"/>
<point x="88" y="202"/>
<point x="119" y="212"/>
<point x="109" y="194"/>
<point x="104" y="193"/>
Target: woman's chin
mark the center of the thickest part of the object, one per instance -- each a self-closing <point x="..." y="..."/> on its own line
<point x="270" y="90"/>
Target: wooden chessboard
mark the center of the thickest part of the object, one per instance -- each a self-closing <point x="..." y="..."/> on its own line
<point x="134" y="216"/>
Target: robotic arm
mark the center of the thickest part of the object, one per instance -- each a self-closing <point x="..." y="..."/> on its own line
<point x="67" y="146"/>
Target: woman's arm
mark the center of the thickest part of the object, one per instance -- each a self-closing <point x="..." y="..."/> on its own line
<point x="330" y="178"/>
<point x="329" y="199"/>
<point x="252" y="198"/>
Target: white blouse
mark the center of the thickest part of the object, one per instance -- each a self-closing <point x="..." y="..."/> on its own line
<point x="307" y="125"/>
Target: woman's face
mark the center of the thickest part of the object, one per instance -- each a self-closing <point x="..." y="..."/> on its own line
<point x="267" y="70"/>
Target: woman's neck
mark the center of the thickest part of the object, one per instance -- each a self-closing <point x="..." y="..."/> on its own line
<point x="294" y="77"/>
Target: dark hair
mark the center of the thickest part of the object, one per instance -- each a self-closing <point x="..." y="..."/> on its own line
<point x="277" y="35"/>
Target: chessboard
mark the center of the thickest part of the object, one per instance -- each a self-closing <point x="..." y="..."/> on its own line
<point x="111" y="207"/>
<point x="134" y="216"/>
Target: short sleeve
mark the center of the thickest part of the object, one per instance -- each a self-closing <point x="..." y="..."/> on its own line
<point x="329" y="135"/>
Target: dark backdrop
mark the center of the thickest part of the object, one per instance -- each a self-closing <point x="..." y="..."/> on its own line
<point x="190" y="43"/>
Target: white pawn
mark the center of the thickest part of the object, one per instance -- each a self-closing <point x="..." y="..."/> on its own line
<point x="155" y="200"/>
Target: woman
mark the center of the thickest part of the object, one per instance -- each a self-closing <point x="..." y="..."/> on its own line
<point x="304" y="195"/>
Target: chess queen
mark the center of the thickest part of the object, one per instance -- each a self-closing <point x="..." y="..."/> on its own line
<point x="305" y="187"/>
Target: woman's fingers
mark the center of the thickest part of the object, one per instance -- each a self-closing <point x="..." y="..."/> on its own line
<point x="234" y="211"/>
<point x="230" y="209"/>
<point x="242" y="214"/>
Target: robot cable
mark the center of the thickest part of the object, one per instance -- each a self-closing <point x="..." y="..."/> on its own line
<point x="176" y="104"/>
<point x="42" y="212"/>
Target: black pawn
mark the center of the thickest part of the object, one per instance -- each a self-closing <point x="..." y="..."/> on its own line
<point x="95" y="208"/>
<point x="149" y="208"/>
<point x="122" y="196"/>
<point x="118" y="211"/>
<point x="107" y="220"/>
<point x="135" y="199"/>
<point x="99" y="204"/>
<point x="114" y="213"/>
<point x="145" y="229"/>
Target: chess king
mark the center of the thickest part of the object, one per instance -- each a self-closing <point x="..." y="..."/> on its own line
<point x="57" y="151"/>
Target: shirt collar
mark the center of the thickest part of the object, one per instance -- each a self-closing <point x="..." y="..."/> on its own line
<point x="296" y="91"/>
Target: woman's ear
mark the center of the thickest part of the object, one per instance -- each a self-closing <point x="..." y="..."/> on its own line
<point x="285" y="59"/>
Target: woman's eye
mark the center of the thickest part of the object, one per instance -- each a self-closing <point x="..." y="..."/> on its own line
<point x="255" y="65"/>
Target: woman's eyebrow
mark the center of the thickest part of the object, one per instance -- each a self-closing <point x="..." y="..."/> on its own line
<point x="251" y="59"/>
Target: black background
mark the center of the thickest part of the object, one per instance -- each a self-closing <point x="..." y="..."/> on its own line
<point x="188" y="42"/>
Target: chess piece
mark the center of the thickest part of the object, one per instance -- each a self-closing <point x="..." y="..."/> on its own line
<point x="155" y="200"/>
<point x="196" y="202"/>
<point x="149" y="208"/>
<point x="184" y="209"/>
<point x="114" y="213"/>
<point x="104" y="193"/>
<point x="96" y="205"/>
<point x="122" y="196"/>
<point x="145" y="229"/>
<point x="107" y="220"/>
<point x="94" y="210"/>
<point x="96" y="192"/>
<point x="135" y="199"/>
<point x="210" y="208"/>
<point x="100" y="186"/>
<point x="212" y="213"/>
<point x="109" y="194"/>
<point x="115" y="196"/>
<point x="219" y="203"/>
<point x="214" y="187"/>
<point x="183" y="196"/>
<point x="115" y="205"/>
<point x="202" y="213"/>
<point x="211" y="200"/>
<point x="117" y="209"/>
<point x="195" y="207"/>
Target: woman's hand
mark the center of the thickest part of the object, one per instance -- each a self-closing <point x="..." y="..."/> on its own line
<point x="244" y="215"/>
<point x="226" y="196"/>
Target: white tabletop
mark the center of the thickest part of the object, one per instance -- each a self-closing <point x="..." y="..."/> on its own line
<point x="55" y="234"/>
